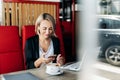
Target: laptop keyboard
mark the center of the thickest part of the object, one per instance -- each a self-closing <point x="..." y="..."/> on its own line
<point x="72" y="66"/>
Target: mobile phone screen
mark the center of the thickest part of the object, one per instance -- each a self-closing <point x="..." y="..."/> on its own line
<point x="53" y="56"/>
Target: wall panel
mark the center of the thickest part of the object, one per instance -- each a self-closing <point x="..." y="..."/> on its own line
<point x="25" y="13"/>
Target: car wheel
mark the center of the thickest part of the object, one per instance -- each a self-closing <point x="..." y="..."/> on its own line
<point x="112" y="55"/>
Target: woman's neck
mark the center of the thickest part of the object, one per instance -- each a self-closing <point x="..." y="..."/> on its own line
<point x="44" y="43"/>
<point x="44" y="40"/>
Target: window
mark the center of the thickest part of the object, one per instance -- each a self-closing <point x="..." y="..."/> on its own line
<point x="66" y="10"/>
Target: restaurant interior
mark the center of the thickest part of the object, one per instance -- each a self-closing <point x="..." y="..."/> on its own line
<point x="17" y="25"/>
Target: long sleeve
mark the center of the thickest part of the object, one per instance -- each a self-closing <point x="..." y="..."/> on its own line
<point x="28" y="54"/>
<point x="31" y="52"/>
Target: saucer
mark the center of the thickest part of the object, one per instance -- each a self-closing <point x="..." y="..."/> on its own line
<point x="58" y="73"/>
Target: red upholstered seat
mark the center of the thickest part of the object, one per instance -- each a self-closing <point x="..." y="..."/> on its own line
<point x="11" y="58"/>
<point x="67" y="27"/>
<point x="58" y="32"/>
<point x="29" y="30"/>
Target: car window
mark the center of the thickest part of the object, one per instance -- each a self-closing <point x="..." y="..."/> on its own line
<point x="108" y="23"/>
<point x="103" y="23"/>
<point x="116" y="24"/>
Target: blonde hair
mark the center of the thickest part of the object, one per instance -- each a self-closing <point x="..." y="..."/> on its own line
<point x="45" y="16"/>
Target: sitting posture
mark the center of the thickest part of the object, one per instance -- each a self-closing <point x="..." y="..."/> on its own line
<point x="44" y="47"/>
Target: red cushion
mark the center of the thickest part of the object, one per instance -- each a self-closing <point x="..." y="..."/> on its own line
<point x="27" y="31"/>
<point x="11" y="58"/>
<point x="11" y="61"/>
<point x="67" y="27"/>
<point x="9" y="39"/>
<point x="58" y="32"/>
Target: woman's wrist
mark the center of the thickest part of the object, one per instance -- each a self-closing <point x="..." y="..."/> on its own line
<point x="38" y="62"/>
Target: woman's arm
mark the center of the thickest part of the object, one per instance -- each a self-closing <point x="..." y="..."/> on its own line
<point x="29" y="55"/>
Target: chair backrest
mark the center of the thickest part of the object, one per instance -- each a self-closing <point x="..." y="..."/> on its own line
<point x="67" y="27"/>
<point x="58" y="32"/>
<point x="11" y="58"/>
<point x="29" y="30"/>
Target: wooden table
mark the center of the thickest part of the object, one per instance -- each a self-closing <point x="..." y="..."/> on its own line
<point x="40" y="73"/>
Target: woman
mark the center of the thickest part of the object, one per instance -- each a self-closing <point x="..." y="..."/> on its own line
<point x="43" y="47"/>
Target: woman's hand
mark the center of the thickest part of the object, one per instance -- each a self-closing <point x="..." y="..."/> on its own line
<point x="60" y="60"/>
<point x="50" y="59"/>
<point x="42" y="59"/>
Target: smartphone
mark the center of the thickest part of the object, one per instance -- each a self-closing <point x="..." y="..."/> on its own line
<point x="53" y="56"/>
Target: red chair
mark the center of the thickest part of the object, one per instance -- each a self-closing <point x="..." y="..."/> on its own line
<point x="58" y="32"/>
<point x="67" y="27"/>
<point x="11" y="58"/>
<point x="29" y="30"/>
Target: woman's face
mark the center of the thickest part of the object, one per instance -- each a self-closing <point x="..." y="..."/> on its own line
<point x="46" y="29"/>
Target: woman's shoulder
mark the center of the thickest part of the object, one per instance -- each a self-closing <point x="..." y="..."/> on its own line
<point x="55" y="38"/>
<point x="32" y="38"/>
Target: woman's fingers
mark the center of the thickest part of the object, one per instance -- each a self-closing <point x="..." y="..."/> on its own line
<point x="58" y="57"/>
<point x="60" y="60"/>
<point x="49" y="60"/>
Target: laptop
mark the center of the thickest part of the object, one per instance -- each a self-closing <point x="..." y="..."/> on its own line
<point x="74" y="66"/>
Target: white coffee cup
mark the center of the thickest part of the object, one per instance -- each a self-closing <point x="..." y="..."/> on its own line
<point x="52" y="69"/>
